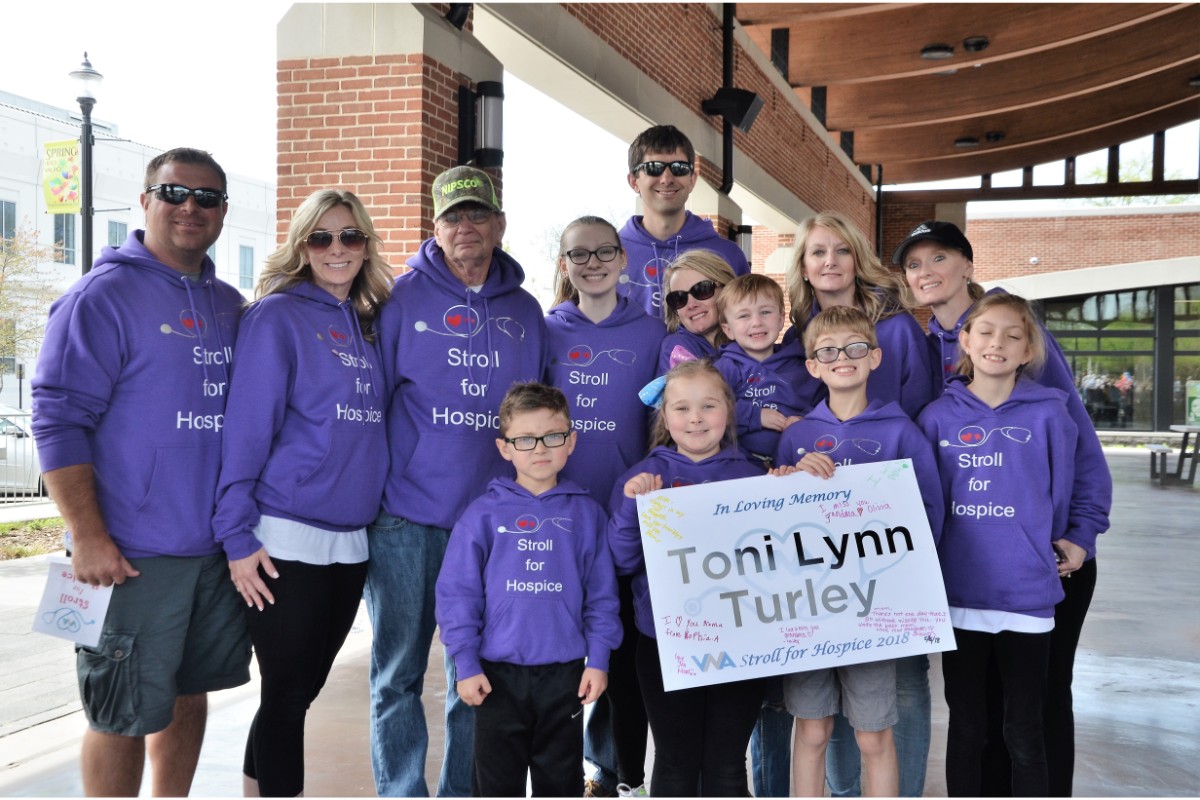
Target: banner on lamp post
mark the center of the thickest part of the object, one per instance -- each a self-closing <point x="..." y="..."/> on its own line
<point x="61" y="177"/>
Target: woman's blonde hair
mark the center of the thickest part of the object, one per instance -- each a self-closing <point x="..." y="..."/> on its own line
<point x="701" y="367"/>
<point x="708" y="264"/>
<point x="1033" y="332"/>
<point x="287" y="267"/>
<point x="564" y="290"/>
<point x="877" y="290"/>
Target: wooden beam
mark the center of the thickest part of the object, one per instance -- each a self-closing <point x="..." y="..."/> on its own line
<point x="1058" y="192"/>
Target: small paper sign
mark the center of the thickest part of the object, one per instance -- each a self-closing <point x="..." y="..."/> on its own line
<point x="70" y="609"/>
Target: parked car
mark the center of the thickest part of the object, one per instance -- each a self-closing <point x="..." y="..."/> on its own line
<point x="20" y="472"/>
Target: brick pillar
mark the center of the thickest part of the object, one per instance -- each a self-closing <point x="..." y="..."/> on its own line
<point x="368" y="101"/>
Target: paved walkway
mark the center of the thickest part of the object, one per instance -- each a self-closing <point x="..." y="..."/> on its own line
<point x="1137" y="681"/>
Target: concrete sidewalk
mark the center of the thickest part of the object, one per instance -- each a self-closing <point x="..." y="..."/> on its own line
<point x="1137" y="678"/>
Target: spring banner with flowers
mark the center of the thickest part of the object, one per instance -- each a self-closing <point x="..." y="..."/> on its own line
<point x="773" y="575"/>
<point x="60" y="177"/>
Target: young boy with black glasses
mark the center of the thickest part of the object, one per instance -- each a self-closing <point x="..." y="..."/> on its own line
<point x="527" y="606"/>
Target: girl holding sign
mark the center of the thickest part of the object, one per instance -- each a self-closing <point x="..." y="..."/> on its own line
<point x="700" y="734"/>
<point x="1006" y="448"/>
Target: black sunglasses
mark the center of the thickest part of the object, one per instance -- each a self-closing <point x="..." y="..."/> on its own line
<point x="177" y="195"/>
<point x="701" y="291"/>
<point x="656" y="168"/>
<point x="352" y="239"/>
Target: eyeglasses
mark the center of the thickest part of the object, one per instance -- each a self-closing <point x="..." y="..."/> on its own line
<point x="352" y="239"/>
<point x="177" y="195"/>
<point x="476" y="216"/>
<point x="581" y="256"/>
<point x="855" y="350"/>
<point x="701" y="291"/>
<point x="530" y="442"/>
<point x="656" y="168"/>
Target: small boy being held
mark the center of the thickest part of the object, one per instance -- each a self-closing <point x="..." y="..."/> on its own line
<point x="771" y="388"/>
<point x="527" y="605"/>
<point x="847" y="429"/>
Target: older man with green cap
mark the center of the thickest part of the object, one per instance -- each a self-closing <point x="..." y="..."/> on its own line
<point x="457" y="331"/>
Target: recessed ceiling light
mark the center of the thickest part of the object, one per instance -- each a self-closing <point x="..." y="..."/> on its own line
<point x="966" y="141"/>
<point x="974" y="44"/>
<point x="937" y="52"/>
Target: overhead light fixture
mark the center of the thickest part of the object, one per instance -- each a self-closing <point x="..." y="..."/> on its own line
<point x="739" y="106"/>
<point x="1194" y="81"/>
<point x="458" y="13"/>
<point x="966" y="141"/>
<point x="481" y="124"/>
<point x="994" y="136"/>
<point x="937" y="52"/>
<point x="975" y="44"/>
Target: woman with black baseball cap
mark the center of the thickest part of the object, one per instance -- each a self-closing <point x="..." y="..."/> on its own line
<point x="938" y="262"/>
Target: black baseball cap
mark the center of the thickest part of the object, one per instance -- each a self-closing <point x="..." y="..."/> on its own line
<point x="944" y="233"/>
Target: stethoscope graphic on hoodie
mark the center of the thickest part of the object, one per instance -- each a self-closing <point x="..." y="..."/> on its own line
<point x="583" y="356"/>
<point x="828" y="443"/>
<point x="528" y="523"/>
<point x="462" y="321"/>
<point x="976" y="436"/>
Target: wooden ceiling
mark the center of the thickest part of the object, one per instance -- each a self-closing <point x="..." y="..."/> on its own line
<point x="1054" y="80"/>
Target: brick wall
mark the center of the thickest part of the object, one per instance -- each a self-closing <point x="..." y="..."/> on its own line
<point x="381" y="126"/>
<point x="682" y="53"/>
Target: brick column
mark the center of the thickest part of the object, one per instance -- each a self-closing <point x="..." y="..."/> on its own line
<point x="368" y="101"/>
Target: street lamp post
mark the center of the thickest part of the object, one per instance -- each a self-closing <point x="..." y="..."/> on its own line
<point x="87" y="80"/>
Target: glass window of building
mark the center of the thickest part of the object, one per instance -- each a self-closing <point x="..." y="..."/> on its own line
<point x="8" y="219"/>
<point x="118" y="232"/>
<point x="64" y="238"/>
<point x="245" y="267"/>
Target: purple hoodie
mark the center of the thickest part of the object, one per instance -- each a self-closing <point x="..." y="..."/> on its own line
<point x="641" y="280"/>
<point x="528" y="580"/>
<point x="449" y="354"/>
<point x="1006" y="475"/>
<point x="1091" y="497"/>
<point x="304" y="435"/>
<point x="694" y="343"/>
<point x="902" y="374"/>
<point x="132" y="379"/>
<point x="600" y="367"/>
<point x="781" y="382"/>
<point x="624" y="531"/>
<point x="882" y="432"/>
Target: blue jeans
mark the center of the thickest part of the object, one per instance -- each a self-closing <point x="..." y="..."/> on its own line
<point x="771" y="744"/>
<point x="912" y="732"/>
<point x="401" y="574"/>
<point x="598" y="746"/>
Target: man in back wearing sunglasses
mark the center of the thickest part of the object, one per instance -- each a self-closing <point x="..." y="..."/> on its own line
<point x="128" y="407"/>
<point x="456" y="333"/>
<point x="662" y="170"/>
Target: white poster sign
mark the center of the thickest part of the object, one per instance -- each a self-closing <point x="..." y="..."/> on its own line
<point x="70" y="609"/>
<point x="773" y="575"/>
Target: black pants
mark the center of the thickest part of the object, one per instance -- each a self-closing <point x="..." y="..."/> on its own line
<point x="626" y="711"/>
<point x="295" y="641"/>
<point x="532" y="722"/>
<point x="1021" y="661"/>
<point x="700" y="735"/>
<point x="1059" y="725"/>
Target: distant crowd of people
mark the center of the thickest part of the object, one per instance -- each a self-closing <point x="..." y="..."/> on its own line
<point x="246" y="474"/>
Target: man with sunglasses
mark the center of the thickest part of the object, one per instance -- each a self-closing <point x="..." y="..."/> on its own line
<point x="128" y="407"/>
<point x="662" y="170"/>
<point x="456" y="333"/>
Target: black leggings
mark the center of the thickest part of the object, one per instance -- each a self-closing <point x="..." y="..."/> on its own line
<point x="700" y="735"/>
<point x="295" y="641"/>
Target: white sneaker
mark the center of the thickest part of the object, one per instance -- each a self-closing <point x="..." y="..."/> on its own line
<point x="624" y="790"/>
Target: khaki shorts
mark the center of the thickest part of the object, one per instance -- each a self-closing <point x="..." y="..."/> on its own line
<point x="865" y="693"/>
<point x="178" y="628"/>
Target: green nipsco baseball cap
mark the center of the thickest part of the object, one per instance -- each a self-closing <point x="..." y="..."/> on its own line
<point x="463" y="185"/>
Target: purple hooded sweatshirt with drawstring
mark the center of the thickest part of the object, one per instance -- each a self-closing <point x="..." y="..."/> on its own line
<point x="1091" y="496"/>
<point x="641" y="280"/>
<point x="304" y="432"/>
<point x="132" y="379"/>
<point x="450" y="353"/>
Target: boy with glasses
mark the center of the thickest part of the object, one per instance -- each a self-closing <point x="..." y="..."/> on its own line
<point x="662" y="170"/>
<point x="847" y="428"/>
<point x="527" y="606"/>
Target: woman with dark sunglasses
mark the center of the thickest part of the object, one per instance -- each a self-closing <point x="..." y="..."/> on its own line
<point x="691" y="286"/>
<point x="303" y="466"/>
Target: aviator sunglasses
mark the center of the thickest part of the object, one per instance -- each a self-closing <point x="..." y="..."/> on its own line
<point x="854" y="350"/>
<point x="352" y="239"/>
<point x="656" y="168"/>
<point x="177" y="195"/>
<point x="701" y="290"/>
